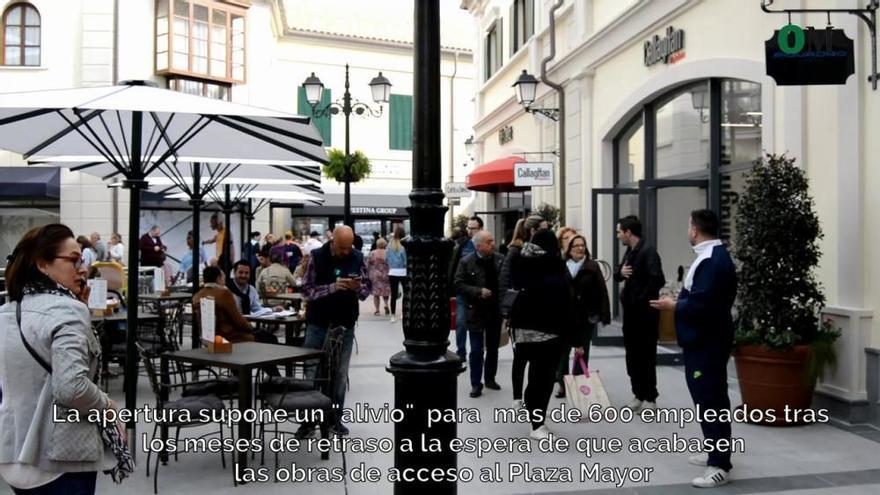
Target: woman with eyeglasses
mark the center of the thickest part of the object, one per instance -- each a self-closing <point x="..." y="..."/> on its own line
<point x="591" y="305"/>
<point x="50" y="360"/>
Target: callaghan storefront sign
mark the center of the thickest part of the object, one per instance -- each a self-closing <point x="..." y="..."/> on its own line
<point x="800" y="57"/>
<point x="533" y="174"/>
<point x="669" y="49"/>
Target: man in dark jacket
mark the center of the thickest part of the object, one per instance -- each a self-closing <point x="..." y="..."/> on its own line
<point x="463" y="247"/>
<point x="642" y="272"/>
<point x="335" y="279"/>
<point x="476" y="281"/>
<point x="151" y="248"/>
<point x="704" y="328"/>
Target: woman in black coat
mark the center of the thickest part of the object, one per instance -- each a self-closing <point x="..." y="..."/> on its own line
<point x="590" y="305"/>
<point x="540" y="319"/>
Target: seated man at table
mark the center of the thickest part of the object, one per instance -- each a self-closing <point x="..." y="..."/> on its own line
<point x="245" y="294"/>
<point x="275" y="279"/>
<point x="229" y="323"/>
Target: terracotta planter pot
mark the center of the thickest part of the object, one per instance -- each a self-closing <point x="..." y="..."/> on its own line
<point x="772" y="379"/>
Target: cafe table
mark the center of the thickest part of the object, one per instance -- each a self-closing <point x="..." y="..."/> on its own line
<point x="292" y="324"/>
<point x="182" y="297"/>
<point x="176" y="298"/>
<point x="244" y="359"/>
<point x="294" y="298"/>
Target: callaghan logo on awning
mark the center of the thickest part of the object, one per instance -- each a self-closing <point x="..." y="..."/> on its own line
<point x="668" y="49"/>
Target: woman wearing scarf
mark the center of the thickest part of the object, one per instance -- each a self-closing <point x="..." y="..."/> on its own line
<point x="591" y="305"/>
<point x="50" y="359"/>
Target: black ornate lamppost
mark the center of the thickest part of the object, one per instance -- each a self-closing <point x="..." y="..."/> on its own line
<point x="381" y="89"/>
<point x="425" y="374"/>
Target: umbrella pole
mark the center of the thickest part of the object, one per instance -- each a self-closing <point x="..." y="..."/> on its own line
<point x="250" y="217"/>
<point x="241" y="234"/>
<point x="196" y="202"/>
<point x="135" y="183"/>
<point x="226" y="264"/>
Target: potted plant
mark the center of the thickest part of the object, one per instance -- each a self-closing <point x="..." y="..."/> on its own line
<point x="782" y="345"/>
<point x="335" y="167"/>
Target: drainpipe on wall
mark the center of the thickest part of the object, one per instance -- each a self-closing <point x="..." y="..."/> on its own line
<point x="114" y="202"/>
<point x="560" y="91"/>
<point x="452" y="131"/>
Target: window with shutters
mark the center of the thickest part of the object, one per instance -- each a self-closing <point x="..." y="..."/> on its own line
<point x="401" y="122"/>
<point x="202" y="39"/>
<point x="321" y="123"/>
<point x="21" y="35"/>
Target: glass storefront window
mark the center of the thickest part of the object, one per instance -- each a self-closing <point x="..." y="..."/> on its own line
<point x="682" y="137"/>
<point x="631" y="153"/>
<point x="741" y="122"/>
<point x="674" y="206"/>
<point x="681" y="154"/>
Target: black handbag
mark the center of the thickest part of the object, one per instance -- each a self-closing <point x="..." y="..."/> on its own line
<point x="508" y="301"/>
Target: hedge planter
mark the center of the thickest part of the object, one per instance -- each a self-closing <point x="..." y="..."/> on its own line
<point x="771" y="379"/>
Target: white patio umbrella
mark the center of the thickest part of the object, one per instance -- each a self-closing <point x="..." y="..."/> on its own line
<point x="137" y="127"/>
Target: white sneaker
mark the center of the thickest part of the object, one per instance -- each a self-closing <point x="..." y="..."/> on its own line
<point x="393" y="319"/>
<point x="540" y="433"/>
<point x="699" y="459"/>
<point x="517" y="404"/>
<point x="648" y="405"/>
<point x="713" y="477"/>
<point x="634" y="404"/>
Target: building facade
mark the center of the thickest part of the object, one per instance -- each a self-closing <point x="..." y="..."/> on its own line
<point x="667" y="104"/>
<point x="256" y="52"/>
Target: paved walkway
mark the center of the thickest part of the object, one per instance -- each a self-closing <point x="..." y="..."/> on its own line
<point x="806" y="460"/>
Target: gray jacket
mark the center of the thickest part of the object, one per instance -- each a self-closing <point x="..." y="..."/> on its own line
<point x="59" y="330"/>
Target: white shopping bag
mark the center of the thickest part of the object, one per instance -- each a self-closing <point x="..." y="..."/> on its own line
<point x="582" y="391"/>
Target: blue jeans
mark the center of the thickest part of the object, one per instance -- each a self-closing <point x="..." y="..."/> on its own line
<point x="461" y="333"/>
<point x="67" y="484"/>
<point x="315" y="336"/>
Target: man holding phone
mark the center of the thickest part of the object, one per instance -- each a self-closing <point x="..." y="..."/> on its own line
<point x="334" y="281"/>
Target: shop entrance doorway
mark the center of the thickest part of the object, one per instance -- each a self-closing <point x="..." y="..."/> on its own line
<point x="663" y="206"/>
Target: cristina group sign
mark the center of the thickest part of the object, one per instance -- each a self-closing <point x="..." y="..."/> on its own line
<point x="799" y="57"/>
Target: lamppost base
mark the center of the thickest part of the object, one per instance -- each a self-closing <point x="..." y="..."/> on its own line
<point x="423" y="383"/>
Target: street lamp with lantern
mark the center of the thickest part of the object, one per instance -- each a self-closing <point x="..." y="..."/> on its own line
<point x="469" y="146"/>
<point x="526" y="87"/>
<point x="380" y="87"/>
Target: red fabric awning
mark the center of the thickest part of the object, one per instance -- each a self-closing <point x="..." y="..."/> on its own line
<point x="495" y="176"/>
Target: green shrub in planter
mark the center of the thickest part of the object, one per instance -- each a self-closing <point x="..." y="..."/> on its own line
<point x="777" y="245"/>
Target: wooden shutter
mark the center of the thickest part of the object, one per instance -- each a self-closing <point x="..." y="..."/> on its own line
<point x="321" y="123"/>
<point x="400" y="122"/>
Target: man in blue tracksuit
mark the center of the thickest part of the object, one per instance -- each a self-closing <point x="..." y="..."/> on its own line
<point x="704" y="327"/>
